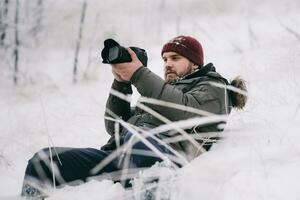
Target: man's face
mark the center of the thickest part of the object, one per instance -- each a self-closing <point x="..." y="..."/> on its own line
<point x="176" y="65"/>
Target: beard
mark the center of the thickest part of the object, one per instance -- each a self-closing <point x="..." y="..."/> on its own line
<point x="171" y="76"/>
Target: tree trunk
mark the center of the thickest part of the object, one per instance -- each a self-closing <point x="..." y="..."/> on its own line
<point x="78" y="41"/>
<point x="38" y="17"/>
<point x="3" y="21"/>
<point x="16" y="51"/>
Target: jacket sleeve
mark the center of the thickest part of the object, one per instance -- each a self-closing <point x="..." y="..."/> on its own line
<point x="118" y="106"/>
<point x="201" y="96"/>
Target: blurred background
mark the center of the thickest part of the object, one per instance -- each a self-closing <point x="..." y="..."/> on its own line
<point x="40" y="31"/>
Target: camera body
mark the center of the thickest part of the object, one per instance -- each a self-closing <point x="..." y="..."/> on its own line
<point x="113" y="53"/>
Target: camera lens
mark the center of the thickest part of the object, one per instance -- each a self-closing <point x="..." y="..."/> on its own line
<point x="113" y="53"/>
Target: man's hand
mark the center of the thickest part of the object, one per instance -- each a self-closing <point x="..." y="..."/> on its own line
<point x="124" y="71"/>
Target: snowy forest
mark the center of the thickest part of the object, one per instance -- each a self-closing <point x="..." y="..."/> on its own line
<point x="54" y="86"/>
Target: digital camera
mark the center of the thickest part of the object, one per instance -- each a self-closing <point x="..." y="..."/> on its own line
<point x="113" y="53"/>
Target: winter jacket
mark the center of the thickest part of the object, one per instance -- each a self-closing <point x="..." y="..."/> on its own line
<point x="194" y="90"/>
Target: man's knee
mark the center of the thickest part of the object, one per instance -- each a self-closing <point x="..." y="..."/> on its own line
<point x="137" y="144"/>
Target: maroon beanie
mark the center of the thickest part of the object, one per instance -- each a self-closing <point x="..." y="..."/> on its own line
<point x="186" y="46"/>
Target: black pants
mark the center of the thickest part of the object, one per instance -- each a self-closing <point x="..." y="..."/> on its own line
<point x="74" y="165"/>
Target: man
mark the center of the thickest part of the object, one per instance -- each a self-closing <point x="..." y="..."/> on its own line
<point x="190" y="91"/>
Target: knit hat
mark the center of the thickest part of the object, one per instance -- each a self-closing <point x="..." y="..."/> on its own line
<point x="186" y="46"/>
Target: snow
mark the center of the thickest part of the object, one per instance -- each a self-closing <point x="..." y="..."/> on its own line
<point x="259" y="156"/>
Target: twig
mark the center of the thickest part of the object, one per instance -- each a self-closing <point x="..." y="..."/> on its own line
<point x="290" y="30"/>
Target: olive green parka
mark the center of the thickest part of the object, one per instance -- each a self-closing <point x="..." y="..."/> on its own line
<point x="195" y="90"/>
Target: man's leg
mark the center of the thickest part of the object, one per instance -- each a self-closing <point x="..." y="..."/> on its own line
<point x="140" y="155"/>
<point x="71" y="166"/>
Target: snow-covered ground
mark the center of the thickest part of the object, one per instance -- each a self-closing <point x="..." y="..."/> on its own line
<point x="259" y="157"/>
